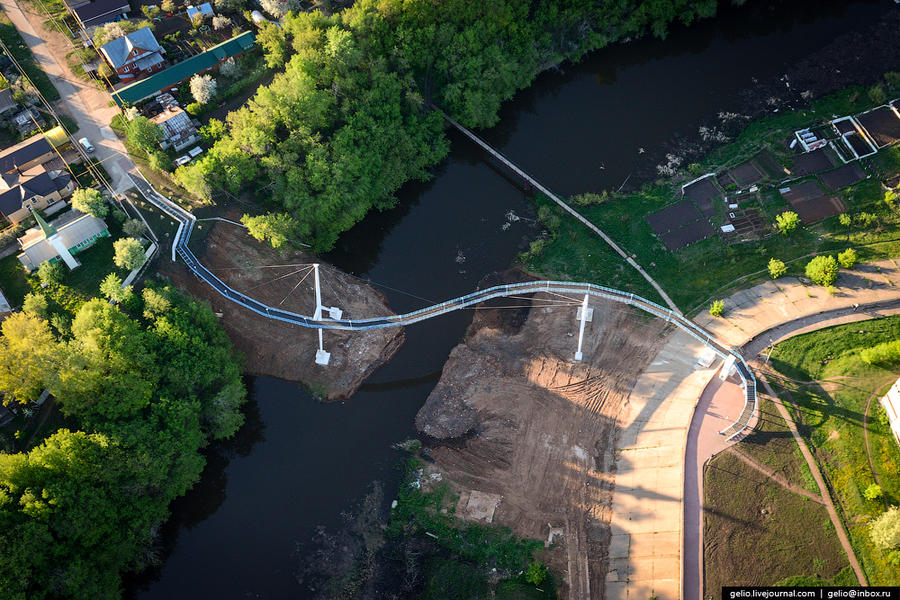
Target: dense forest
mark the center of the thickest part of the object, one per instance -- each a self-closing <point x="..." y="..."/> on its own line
<point x="351" y="119"/>
<point x="142" y="389"/>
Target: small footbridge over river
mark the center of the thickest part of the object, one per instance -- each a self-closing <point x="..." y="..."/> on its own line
<point x="186" y="222"/>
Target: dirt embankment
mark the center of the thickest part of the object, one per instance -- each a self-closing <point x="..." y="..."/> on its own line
<point x="514" y="416"/>
<point x="280" y="349"/>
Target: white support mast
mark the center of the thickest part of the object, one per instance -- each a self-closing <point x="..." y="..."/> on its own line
<point x="322" y="357"/>
<point x="585" y="315"/>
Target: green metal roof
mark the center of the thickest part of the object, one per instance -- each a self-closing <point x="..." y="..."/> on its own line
<point x="49" y="230"/>
<point x="186" y="68"/>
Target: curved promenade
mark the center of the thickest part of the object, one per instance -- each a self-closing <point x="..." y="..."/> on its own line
<point x="187" y="221"/>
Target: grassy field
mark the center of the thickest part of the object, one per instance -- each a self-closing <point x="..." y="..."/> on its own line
<point x="759" y="533"/>
<point x="832" y="387"/>
<point x="710" y="269"/>
<point x="10" y="36"/>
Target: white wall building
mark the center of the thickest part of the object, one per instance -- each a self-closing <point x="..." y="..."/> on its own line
<point x="891" y="403"/>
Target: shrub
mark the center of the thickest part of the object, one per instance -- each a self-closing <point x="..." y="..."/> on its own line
<point x="160" y="161"/>
<point x="885" y="530"/>
<point x="168" y="6"/>
<point x="822" y="270"/>
<point x="536" y="573"/>
<point x="885" y="354"/>
<point x="203" y="88"/>
<point x="194" y="109"/>
<point x="873" y="492"/>
<point x="777" y="268"/>
<point x="50" y="273"/>
<point x="787" y="221"/>
<point x="133" y="227"/>
<point x="847" y="258"/>
<point x="717" y="308"/>
<point x="590" y="199"/>
<point x="866" y="219"/>
<point x="844" y="219"/>
<point x="876" y="94"/>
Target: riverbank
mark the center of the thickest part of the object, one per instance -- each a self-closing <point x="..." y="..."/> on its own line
<point x="515" y="420"/>
<point x="285" y="279"/>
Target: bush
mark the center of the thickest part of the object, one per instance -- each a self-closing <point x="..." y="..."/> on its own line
<point x="847" y="258"/>
<point x="10" y="234"/>
<point x="717" y="308"/>
<point x="160" y="161"/>
<point x="787" y="221"/>
<point x="885" y="354"/>
<point x="590" y="199"/>
<point x="536" y="573"/>
<point x="35" y="305"/>
<point x="885" y="530"/>
<point x="777" y="268"/>
<point x="873" y="492"/>
<point x="892" y="78"/>
<point x="866" y="219"/>
<point x="133" y="228"/>
<point x="822" y="270"/>
<point x="844" y="219"/>
<point x="194" y="109"/>
<point x="876" y="94"/>
<point x="50" y="273"/>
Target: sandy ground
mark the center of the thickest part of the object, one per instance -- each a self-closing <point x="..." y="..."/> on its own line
<point x="280" y="349"/>
<point x="527" y="423"/>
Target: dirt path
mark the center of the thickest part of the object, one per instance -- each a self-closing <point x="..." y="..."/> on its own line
<point x="777" y="477"/>
<point x="876" y="394"/>
<point x="817" y="475"/>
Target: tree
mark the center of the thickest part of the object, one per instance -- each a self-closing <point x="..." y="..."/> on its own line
<point x="787" y="221"/>
<point x="536" y="573"/>
<point x="777" y="268"/>
<point x="108" y="32"/>
<point x="717" y="308"/>
<point x="822" y="270"/>
<point x="876" y="94"/>
<point x="213" y="130"/>
<point x="230" y="68"/>
<point x="272" y="39"/>
<point x="168" y="6"/>
<point x="277" y="229"/>
<point x="104" y="70"/>
<point x="847" y="258"/>
<point x="884" y="531"/>
<point x="203" y="88"/>
<point x="90" y="202"/>
<point x="219" y="23"/>
<point x="128" y="253"/>
<point x="144" y="134"/>
<point x="111" y="288"/>
<point x="50" y="273"/>
<point x="278" y="8"/>
<point x="193" y="178"/>
<point x="231" y="6"/>
<point x="35" y="305"/>
<point x="845" y="221"/>
<point x="133" y="227"/>
<point x="873" y="492"/>
<point x="29" y="356"/>
<point x="151" y="12"/>
<point x="160" y="161"/>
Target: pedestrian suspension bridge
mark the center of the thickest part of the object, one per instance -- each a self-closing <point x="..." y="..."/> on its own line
<point x="331" y="318"/>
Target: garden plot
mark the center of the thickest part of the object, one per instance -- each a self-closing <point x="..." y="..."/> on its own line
<point x="746" y="174"/>
<point x="812" y="163"/>
<point x="679" y="225"/>
<point x="843" y="176"/>
<point x="882" y="124"/>
<point x="704" y="193"/>
<point x="811" y="203"/>
<point x="747" y="224"/>
<point x="769" y="165"/>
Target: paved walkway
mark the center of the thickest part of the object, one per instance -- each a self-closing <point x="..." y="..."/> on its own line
<point x="645" y="547"/>
<point x="82" y="100"/>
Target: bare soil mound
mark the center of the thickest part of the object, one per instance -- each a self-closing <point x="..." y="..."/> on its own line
<point x="515" y="416"/>
<point x="280" y="349"/>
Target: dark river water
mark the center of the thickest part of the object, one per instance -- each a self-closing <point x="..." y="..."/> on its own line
<point x="245" y="529"/>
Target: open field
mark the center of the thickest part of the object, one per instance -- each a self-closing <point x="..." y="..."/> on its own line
<point x="835" y="396"/>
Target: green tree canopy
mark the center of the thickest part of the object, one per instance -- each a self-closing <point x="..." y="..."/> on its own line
<point x="884" y="531"/>
<point x="143" y="134"/>
<point x="787" y="221"/>
<point x="90" y="202"/>
<point x="777" y="268"/>
<point x="847" y="258"/>
<point x="822" y="270"/>
<point x="128" y="253"/>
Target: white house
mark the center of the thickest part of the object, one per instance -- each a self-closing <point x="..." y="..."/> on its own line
<point x="891" y="404"/>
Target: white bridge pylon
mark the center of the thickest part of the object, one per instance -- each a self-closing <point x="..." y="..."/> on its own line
<point x="584" y="314"/>
<point x="323" y="357"/>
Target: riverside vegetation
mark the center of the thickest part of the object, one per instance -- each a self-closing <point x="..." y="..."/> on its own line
<point x="142" y="389"/>
<point x="349" y="120"/>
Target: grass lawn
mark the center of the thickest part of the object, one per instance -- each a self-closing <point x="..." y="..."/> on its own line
<point x="710" y="269"/>
<point x="822" y="371"/>
<point x="10" y="36"/>
<point x="759" y="533"/>
<point x="13" y="280"/>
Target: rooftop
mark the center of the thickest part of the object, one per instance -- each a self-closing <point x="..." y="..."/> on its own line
<point x="23" y="152"/>
<point x="99" y="8"/>
<point x="120" y="49"/>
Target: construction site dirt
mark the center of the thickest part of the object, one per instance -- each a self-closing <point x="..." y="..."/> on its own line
<point x="280" y="349"/>
<point x="515" y="417"/>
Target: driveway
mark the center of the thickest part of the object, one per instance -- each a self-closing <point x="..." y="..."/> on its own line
<point x="82" y="100"/>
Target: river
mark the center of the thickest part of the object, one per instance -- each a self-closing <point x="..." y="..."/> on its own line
<point x="244" y="530"/>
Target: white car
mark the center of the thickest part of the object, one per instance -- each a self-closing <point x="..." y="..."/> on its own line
<point x="182" y="160"/>
<point x="88" y="147"/>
